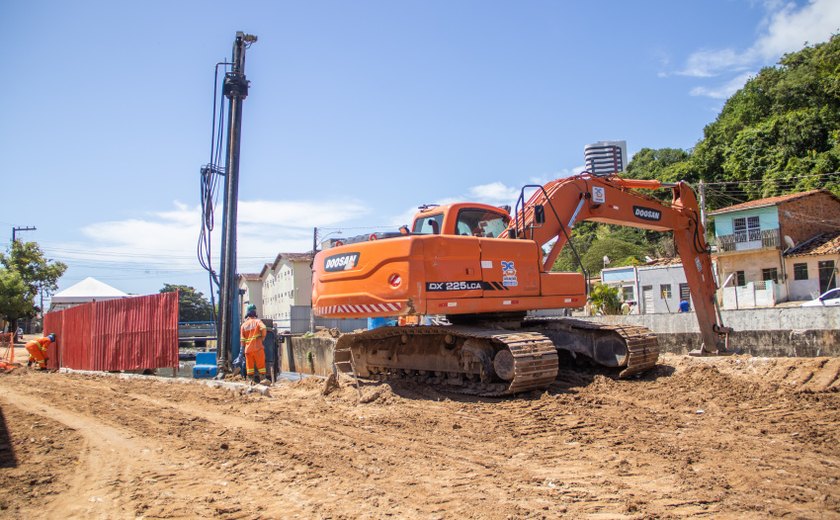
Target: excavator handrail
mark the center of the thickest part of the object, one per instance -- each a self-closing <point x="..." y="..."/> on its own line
<point x="569" y="242"/>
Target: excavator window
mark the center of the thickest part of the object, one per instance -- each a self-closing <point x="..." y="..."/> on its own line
<point x="480" y="223"/>
<point x="428" y="225"/>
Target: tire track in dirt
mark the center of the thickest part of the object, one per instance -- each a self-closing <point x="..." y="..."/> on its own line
<point x="108" y="459"/>
<point x="372" y="469"/>
<point x="707" y="438"/>
<point x="126" y="473"/>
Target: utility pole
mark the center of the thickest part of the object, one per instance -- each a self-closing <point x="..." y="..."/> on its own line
<point x="236" y="90"/>
<point x="311" y="304"/>
<point x="20" y="228"/>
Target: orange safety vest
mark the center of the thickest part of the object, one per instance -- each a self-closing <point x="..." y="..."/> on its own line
<point x="251" y="333"/>
<point x="40" y="343"/>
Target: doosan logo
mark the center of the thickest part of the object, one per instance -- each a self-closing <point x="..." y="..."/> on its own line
<point x="343" y="262"/>
<point x="646" y="213"/>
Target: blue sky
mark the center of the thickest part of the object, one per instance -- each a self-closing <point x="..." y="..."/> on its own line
<point x="358" y="111"/>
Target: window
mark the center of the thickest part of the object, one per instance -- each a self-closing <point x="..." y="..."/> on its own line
<point x="665" y="291"/>
<point x="628" y="293"/>
<point x="770" y="274"/>
<point x="428" y="225"/>
<point x="480" y="223"/>
<point x="746" y="229"/>
<point x="685" y="293"/>
<point x="740" y="279"/>
<point x="800" y="271"/>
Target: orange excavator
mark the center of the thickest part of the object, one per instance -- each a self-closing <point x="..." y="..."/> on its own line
<point x="484" y="268"/>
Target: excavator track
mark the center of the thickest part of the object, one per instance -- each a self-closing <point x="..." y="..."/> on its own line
<point x="492" y="361"/>
<point x="641" y="344"/>
<point x="527" y="360"/>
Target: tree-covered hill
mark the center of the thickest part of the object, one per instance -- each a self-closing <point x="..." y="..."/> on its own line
<point x="778" y="134"/>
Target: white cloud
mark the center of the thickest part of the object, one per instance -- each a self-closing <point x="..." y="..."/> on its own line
<point x="494" y="193"/>
<point x="790" y="29"/>
<point x="706" y="63"/>
<point x="786" y="28"/>
<point x="166" y="240"/>
<point x="723" y="91"/>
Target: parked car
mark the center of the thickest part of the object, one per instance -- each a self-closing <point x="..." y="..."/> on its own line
<point x="829" y="298"/>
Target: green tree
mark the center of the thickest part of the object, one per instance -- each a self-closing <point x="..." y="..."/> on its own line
<point x="605" y="299"/>
<point x="26" y="262"/>
<point x="780" y="133"/>
<point x="192" y="305"/>
<point x="620" y="253"/>
<point x="14" y="303"/>
<point x="664" y="164"/>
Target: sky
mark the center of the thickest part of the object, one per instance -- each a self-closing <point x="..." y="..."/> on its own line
<point x="358" y="112"/>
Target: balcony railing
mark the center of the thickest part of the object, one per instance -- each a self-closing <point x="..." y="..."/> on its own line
<point x="748" y="240"/>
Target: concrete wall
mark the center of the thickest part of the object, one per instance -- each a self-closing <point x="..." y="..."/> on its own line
<point x="754" y="294"/>
<point x="790" y="331"/>
<point x="300" y="319"/>
<point x="312" y="355"/>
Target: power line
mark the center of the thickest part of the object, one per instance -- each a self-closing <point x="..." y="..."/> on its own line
<point x="773" y="179"/>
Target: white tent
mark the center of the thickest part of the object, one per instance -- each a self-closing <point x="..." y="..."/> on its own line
<point x="88" y="290"/>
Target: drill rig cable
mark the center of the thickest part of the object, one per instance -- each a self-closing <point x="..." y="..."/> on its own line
<point x="209" y="191"/>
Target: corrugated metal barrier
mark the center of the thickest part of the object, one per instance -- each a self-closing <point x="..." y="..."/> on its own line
<point x="126" y="334"/>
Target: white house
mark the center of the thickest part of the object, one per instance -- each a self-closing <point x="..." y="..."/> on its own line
<point x="656" y="287"/>
<point x="250" y="292"/>
<point x="286" y="282"/>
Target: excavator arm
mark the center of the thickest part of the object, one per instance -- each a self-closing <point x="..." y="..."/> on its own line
<point x="552" y="211"/>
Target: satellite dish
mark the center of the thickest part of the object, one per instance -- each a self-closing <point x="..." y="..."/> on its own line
<point x="606" y="259"/>
<point x="789" y="241"/>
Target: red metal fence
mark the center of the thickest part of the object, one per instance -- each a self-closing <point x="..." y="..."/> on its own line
<point x="126" y="334"/>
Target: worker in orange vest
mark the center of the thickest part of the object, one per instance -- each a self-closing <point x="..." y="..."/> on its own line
<point x="252" y="333"/>
<point x="37" y="349"/>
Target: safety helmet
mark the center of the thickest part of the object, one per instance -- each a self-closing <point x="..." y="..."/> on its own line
<point x="52" y="337"/>
<point x="252" y="307"/>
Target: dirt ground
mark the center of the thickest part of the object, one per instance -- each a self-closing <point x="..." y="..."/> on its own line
<point x="734" y="437"/>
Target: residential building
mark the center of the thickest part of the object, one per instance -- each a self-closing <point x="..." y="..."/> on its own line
<point x="656" y="287"/>
<point x="250" y="292"/>
<point x="286" y="282"/>
<point x="751" y="238"/>
<point x="812" y="265"/>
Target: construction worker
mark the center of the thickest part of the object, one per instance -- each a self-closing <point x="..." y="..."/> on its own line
<point x="37" y="349"/>
<point x="252" y="333"/>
